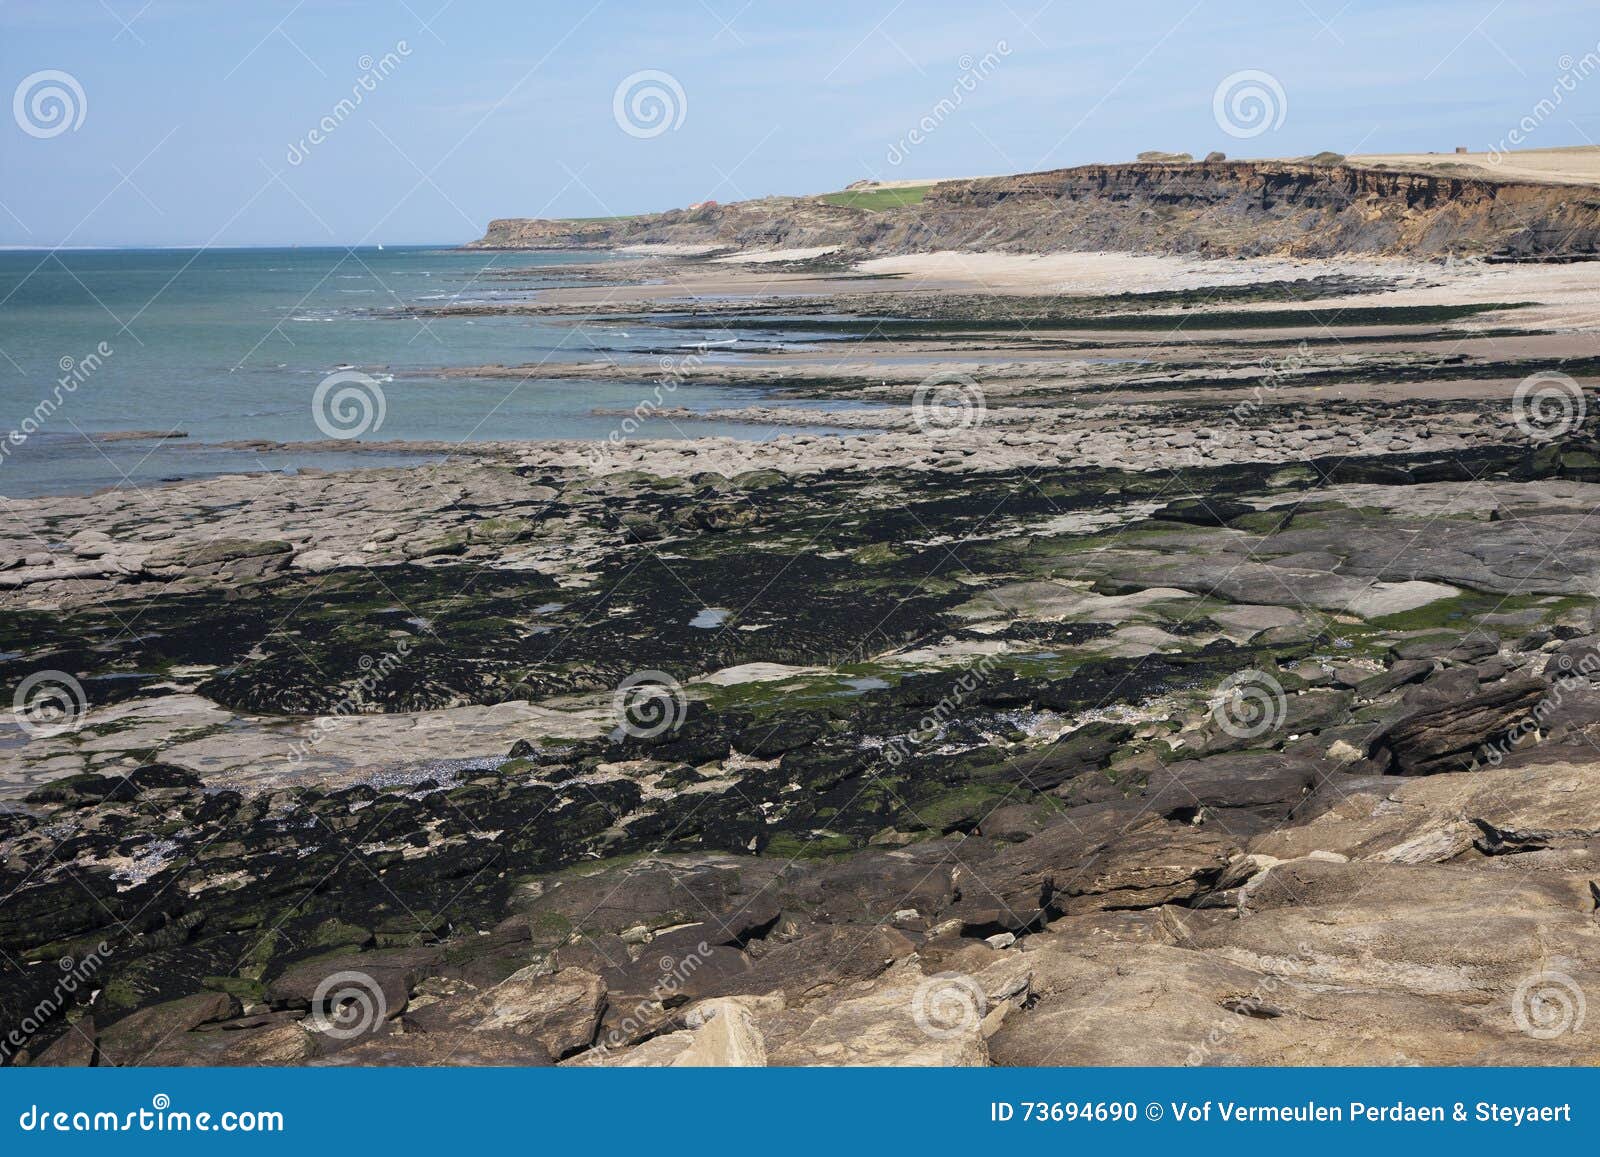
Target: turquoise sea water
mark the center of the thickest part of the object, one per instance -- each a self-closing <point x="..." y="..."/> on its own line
<point x="231" y="344"/>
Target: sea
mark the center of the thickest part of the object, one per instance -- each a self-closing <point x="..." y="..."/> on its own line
<point x="233" y="345"/>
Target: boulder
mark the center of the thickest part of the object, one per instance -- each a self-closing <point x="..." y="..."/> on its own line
<point x="1084" y="749"/>
<point x="560" y="1011"/>
<point x="1402" y="672"/>
<point x="222" y="550"/>
<point x="821" y="962"/>
<point x="74" y="1048"/>
<point x="726" y="1036"/>
<point x="452" y="1047"/>
<point x="131" y="1040"/>
<point x="1264" y="785"/>
<point x="909" y="1020"/>
<point x="1455" y="736"/>
<point x="379" y="981"/>
<point x="1014" y="822"/>
<point x="1115" y="855"/>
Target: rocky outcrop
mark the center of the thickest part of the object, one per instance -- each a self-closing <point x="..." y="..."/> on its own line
<point x="1452" y="737"/>
<point x="1383" y="925"/>
<point x="1250" y="208"/>
<point x="768" y="223"/>
<point x="1221" y="208"/>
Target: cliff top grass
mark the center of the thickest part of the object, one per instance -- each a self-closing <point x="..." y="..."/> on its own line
<point x="877" y="200"/>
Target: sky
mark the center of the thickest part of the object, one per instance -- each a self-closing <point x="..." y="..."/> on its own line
<point x="261" y="122"/>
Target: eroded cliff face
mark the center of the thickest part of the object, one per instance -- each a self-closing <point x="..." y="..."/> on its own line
<point x="772" y="222"/>
<point x="1235" y="208"/>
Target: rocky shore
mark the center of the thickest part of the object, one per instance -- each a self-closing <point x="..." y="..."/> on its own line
<point x="1220" y="685"/>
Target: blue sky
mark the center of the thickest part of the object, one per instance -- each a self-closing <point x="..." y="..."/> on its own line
<point x="191" y="109"/>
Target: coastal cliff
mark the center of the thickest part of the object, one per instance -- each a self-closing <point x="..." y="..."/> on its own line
<point x="1229" y="208"/>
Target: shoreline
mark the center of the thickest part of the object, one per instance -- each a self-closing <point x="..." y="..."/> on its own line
<point x="944" y="689"/>
<point x="812" y="378"/>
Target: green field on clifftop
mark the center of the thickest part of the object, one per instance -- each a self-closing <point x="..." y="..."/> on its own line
<point x="878" y="199"/>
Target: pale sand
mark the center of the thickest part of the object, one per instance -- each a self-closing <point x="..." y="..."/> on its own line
<point x="1564" y="297"/>
<point x="761" y="256"/>
<point x="1067" y="274"/>
<point x="1567" y="296"/>
<point x="1094" y="273"/>
<point x="668" y="249"/>
<point x="1579" y="164"/>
